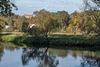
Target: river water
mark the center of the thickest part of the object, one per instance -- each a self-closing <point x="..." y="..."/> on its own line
<point x="39" y="57"/>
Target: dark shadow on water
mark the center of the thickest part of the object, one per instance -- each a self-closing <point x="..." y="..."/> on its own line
<point x="43" y="58"/>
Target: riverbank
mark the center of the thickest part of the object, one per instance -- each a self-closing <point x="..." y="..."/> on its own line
<point x="56" y="40"/>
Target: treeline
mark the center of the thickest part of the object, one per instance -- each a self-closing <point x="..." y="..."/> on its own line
<point x="64" y="22"/>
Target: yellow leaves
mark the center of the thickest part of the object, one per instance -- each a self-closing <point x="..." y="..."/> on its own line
<point x="74" y="20"/>
<point x="69" y="27"/>
<point x="16" y="30"/>
<point x="94" y="25"/>
<point x="44" y="27"/>
<point x="77" y="25"/>
<point x="15" y="24"/>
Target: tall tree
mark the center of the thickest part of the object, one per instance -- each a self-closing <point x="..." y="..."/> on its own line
<point x="24" y="26"/>
<point x="63" y="19"/>
<point x="91" y="8"/>
<point x="46" y="22"/>
<point x="6" y="7"/>
<point x="73" y="21"/>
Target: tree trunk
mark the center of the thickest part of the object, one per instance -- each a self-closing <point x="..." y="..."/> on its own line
<point x="48" y="41"/>
<point x="47" y="49"/>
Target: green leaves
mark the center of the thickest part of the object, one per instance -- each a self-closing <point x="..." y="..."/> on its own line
<point x="46" y="20"/>
<point x="24" y="27"/>
<point x="92" y="16"/>
<point x="6" y="7"/>
<point x="1" y="28"/>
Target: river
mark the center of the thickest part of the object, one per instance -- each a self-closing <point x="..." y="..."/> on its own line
<point x="39" y="57"/>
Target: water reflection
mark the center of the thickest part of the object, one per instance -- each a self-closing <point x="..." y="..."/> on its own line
<point x="42" y="57"/>
<point x="91" y="60"/>
<point x="58" y="52"/>
<point x="35" y="57"/>
<point x="88" y="58"/>
<point x="11" y="48"/>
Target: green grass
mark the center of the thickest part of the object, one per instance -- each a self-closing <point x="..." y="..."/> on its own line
<point x="8" y="44"/>
<point x="10" y="36"/>
<point x="71" y="38"/>
<point x="13" y="44"/>
<point x="66" y="38"/>
<point x="56" y="39"/>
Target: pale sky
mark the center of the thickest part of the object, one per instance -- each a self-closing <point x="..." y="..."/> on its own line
<point x="29" y="6"/>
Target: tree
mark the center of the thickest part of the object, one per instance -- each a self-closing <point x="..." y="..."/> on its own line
<point x="91" y="5"/>
<point x="63" y="19"/>
<point x="6" y="7"/>
<point x="73" y="21"/>
<point x="24" y="26"/>
<point x="91" y="8"/>
<point x="46" y="22"/>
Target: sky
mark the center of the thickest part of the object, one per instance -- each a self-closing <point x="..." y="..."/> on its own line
<point x="29" y="6"/>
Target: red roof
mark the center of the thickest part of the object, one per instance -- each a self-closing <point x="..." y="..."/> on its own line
<point x="30" y="25"/>
<point x="28" y="16"/>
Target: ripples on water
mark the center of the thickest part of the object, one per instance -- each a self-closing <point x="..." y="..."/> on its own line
<point x="36" y="57"/>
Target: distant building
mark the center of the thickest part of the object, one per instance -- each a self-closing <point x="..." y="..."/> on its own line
<point x="28" y="16"/>
<point x="31" y="25"/>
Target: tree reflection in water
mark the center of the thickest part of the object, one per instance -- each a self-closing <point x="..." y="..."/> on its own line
<point x="43" y="57"/>
<point x="89" y="61"/>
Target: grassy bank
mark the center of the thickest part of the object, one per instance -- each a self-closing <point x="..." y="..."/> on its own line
<point x="56" y="39"/>
<point x="10" y="36"/>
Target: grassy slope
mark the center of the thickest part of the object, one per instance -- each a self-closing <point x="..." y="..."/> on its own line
<point x="57" y="38"/>
<point x="10" y="36"/>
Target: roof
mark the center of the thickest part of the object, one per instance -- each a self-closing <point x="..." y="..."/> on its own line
<point x="31" y="25"/>
<point x="28" y="16"/>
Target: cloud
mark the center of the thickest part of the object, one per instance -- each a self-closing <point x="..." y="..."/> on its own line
<point x="28" y="6"/>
